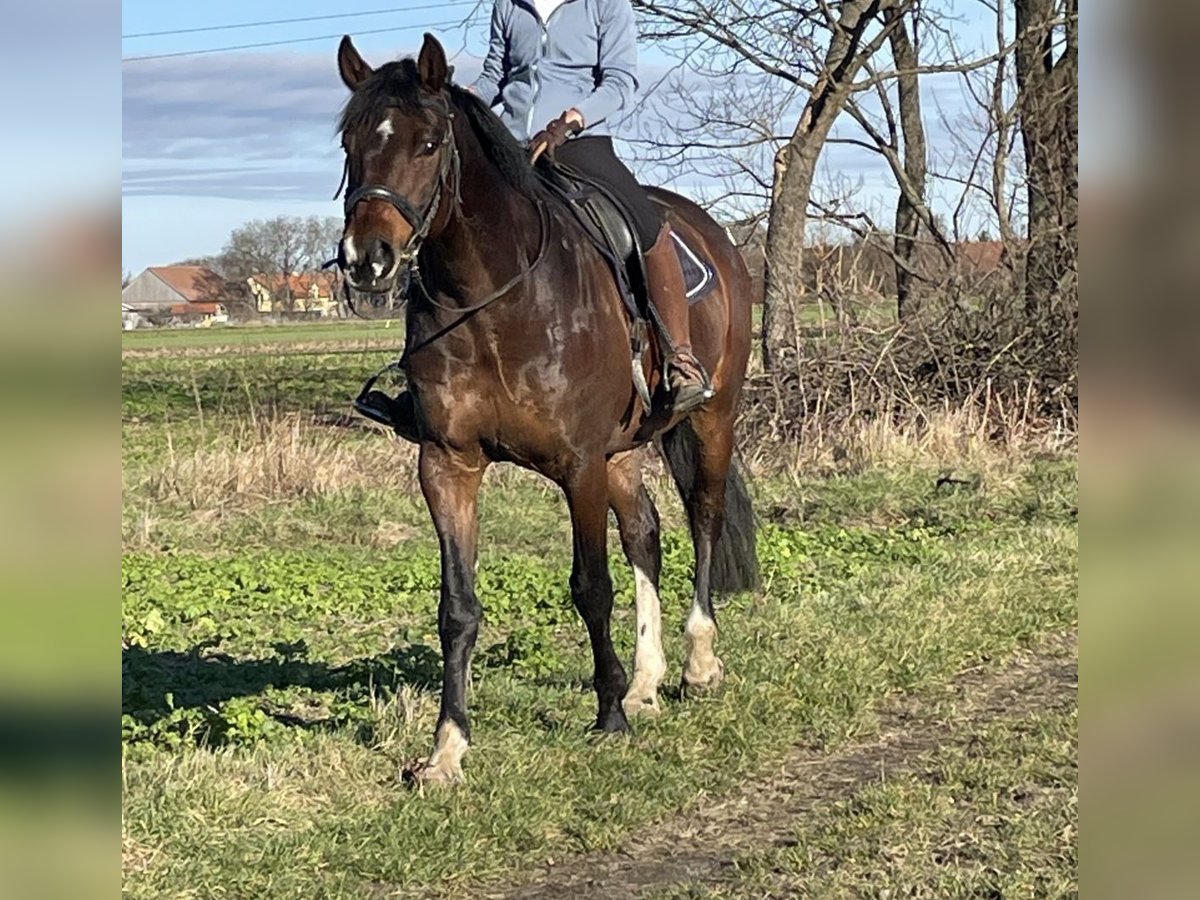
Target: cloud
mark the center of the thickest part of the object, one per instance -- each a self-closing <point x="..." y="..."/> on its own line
<point x="233" y="125"/>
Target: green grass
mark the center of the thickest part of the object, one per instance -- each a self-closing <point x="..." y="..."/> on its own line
<point x="253" y="335"/>
<point x="242" y="383"/>
<point x="281" y="657"/>
<point x="994" y="813"/>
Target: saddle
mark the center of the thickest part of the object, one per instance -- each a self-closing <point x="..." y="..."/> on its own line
<point x="609" y="224"/>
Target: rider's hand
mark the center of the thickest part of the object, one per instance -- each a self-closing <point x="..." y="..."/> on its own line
<point x="555" y="134"/>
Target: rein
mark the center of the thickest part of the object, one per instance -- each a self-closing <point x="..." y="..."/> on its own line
<point x="465" y="312"/>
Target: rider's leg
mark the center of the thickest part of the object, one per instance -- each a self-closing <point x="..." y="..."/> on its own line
<point x="594" y="156"/>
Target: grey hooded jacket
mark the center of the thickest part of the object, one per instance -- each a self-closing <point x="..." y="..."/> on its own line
<point x="583" y="56"/>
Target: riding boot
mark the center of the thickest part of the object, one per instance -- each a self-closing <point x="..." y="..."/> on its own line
<point x="689" y="383"/>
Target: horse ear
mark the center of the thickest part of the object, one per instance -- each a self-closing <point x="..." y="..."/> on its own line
<point x="431" y="64"/>
<point x="351" y="65"/>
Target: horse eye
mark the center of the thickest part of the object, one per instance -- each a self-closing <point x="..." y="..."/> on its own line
<point x="428" y="147"/>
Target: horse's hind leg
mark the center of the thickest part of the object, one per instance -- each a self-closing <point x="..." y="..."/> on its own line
<point x="450" y="483"/>
<point x="591" y="587"/>
<point x="637" y="520"/>
<point x="705" y="502"/>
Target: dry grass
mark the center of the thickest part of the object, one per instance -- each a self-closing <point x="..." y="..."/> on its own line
<point x="279" y="459"/>
<point x="289" y="458"/>
<point x="136" y="857"/>
<point x="990" y="436"/>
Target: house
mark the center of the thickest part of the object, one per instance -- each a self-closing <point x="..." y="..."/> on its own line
<point x="980" y="257"/>
<point x="309" y="292"/>
<point x="186" y="292"/>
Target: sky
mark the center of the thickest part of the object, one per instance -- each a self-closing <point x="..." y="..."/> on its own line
<point x="210" y="141"/>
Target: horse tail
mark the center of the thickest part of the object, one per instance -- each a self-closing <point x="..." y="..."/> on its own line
<point x="735" y="554"/>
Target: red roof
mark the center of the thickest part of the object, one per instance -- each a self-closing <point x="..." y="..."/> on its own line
<point x="300" y="284"/>
<point x="197" y="284"/>
<point x="204" y="308"/>
<point x="980" y="256"/>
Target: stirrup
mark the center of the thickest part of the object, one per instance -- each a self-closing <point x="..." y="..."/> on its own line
<point x="378" y="407"/>
<point x="396" y="413"/>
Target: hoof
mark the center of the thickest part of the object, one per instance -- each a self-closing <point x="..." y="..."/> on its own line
<point x="612" y="723"/>
<point x="644" y="705"/>
<point x="700" y="685"/>
<point x="418" y="773"/>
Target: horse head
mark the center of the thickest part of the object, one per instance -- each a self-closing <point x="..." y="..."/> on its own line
<point x="398" y="136"/>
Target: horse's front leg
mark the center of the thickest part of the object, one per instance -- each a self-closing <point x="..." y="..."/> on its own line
<point x="450" y="483"/>
<point x="591" y="587"/>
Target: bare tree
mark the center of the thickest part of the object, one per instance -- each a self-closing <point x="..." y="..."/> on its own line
<point x="1048" y="105"/>
<point x="764" y="86"/>
<point x="912" y="186"/>
<point x="821" y="50"/>
<point x="279" y="248"/>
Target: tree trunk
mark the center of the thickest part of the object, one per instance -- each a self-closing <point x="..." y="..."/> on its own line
<point x="912" y="127"/>
<point x="1048" y="101"/>
<point x="783" y="273"/>
<point x="795" y="166"/>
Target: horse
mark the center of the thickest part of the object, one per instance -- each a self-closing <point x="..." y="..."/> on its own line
<point x="518" y="349"/>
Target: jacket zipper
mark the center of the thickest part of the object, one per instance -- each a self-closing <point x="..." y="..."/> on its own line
<point x="537" y="83"/>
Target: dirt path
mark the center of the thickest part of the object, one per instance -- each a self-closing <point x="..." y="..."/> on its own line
<point x="697" y="847"/>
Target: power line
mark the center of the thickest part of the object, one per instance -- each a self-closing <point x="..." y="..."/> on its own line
<point x="305" y="40"/>
<point x="350" y="15"/>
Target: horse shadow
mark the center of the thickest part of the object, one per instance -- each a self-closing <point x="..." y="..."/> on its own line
<point x="156" y="684"/>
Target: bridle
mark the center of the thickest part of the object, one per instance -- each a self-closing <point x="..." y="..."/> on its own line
<point x="420" y="221"/>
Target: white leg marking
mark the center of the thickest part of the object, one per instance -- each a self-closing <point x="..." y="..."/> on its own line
<point x="702" y="670"/>
<point x="445" y="766"/>
<point x="649" y="661"/>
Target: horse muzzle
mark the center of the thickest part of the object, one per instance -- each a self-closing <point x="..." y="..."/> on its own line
<point x="371" y="268"/>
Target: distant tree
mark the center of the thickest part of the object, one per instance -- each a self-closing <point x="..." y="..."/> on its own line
<point x="126" y="277"/>
<point x="279" y="247"/>
<point x="208" y="262"/>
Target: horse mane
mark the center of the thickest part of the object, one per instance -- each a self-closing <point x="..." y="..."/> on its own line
<point x="498" y="144"/>
<point x="397" y="85"/>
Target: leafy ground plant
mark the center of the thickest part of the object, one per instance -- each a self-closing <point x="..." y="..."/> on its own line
<point x="280" y="664"/>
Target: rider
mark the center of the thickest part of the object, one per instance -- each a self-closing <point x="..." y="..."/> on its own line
<point x="575" y="60"/>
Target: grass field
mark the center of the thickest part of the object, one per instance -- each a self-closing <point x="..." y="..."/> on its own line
<point x="281" y="662"/>
<point x="250" y="336"/>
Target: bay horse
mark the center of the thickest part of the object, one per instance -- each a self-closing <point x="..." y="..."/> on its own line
<point x="518" y="349"/>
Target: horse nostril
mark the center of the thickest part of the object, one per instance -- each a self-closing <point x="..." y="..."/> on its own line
<point x="381" y="257"/>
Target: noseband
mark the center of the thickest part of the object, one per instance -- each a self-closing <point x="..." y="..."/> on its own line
<point x="420" y="221"/>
